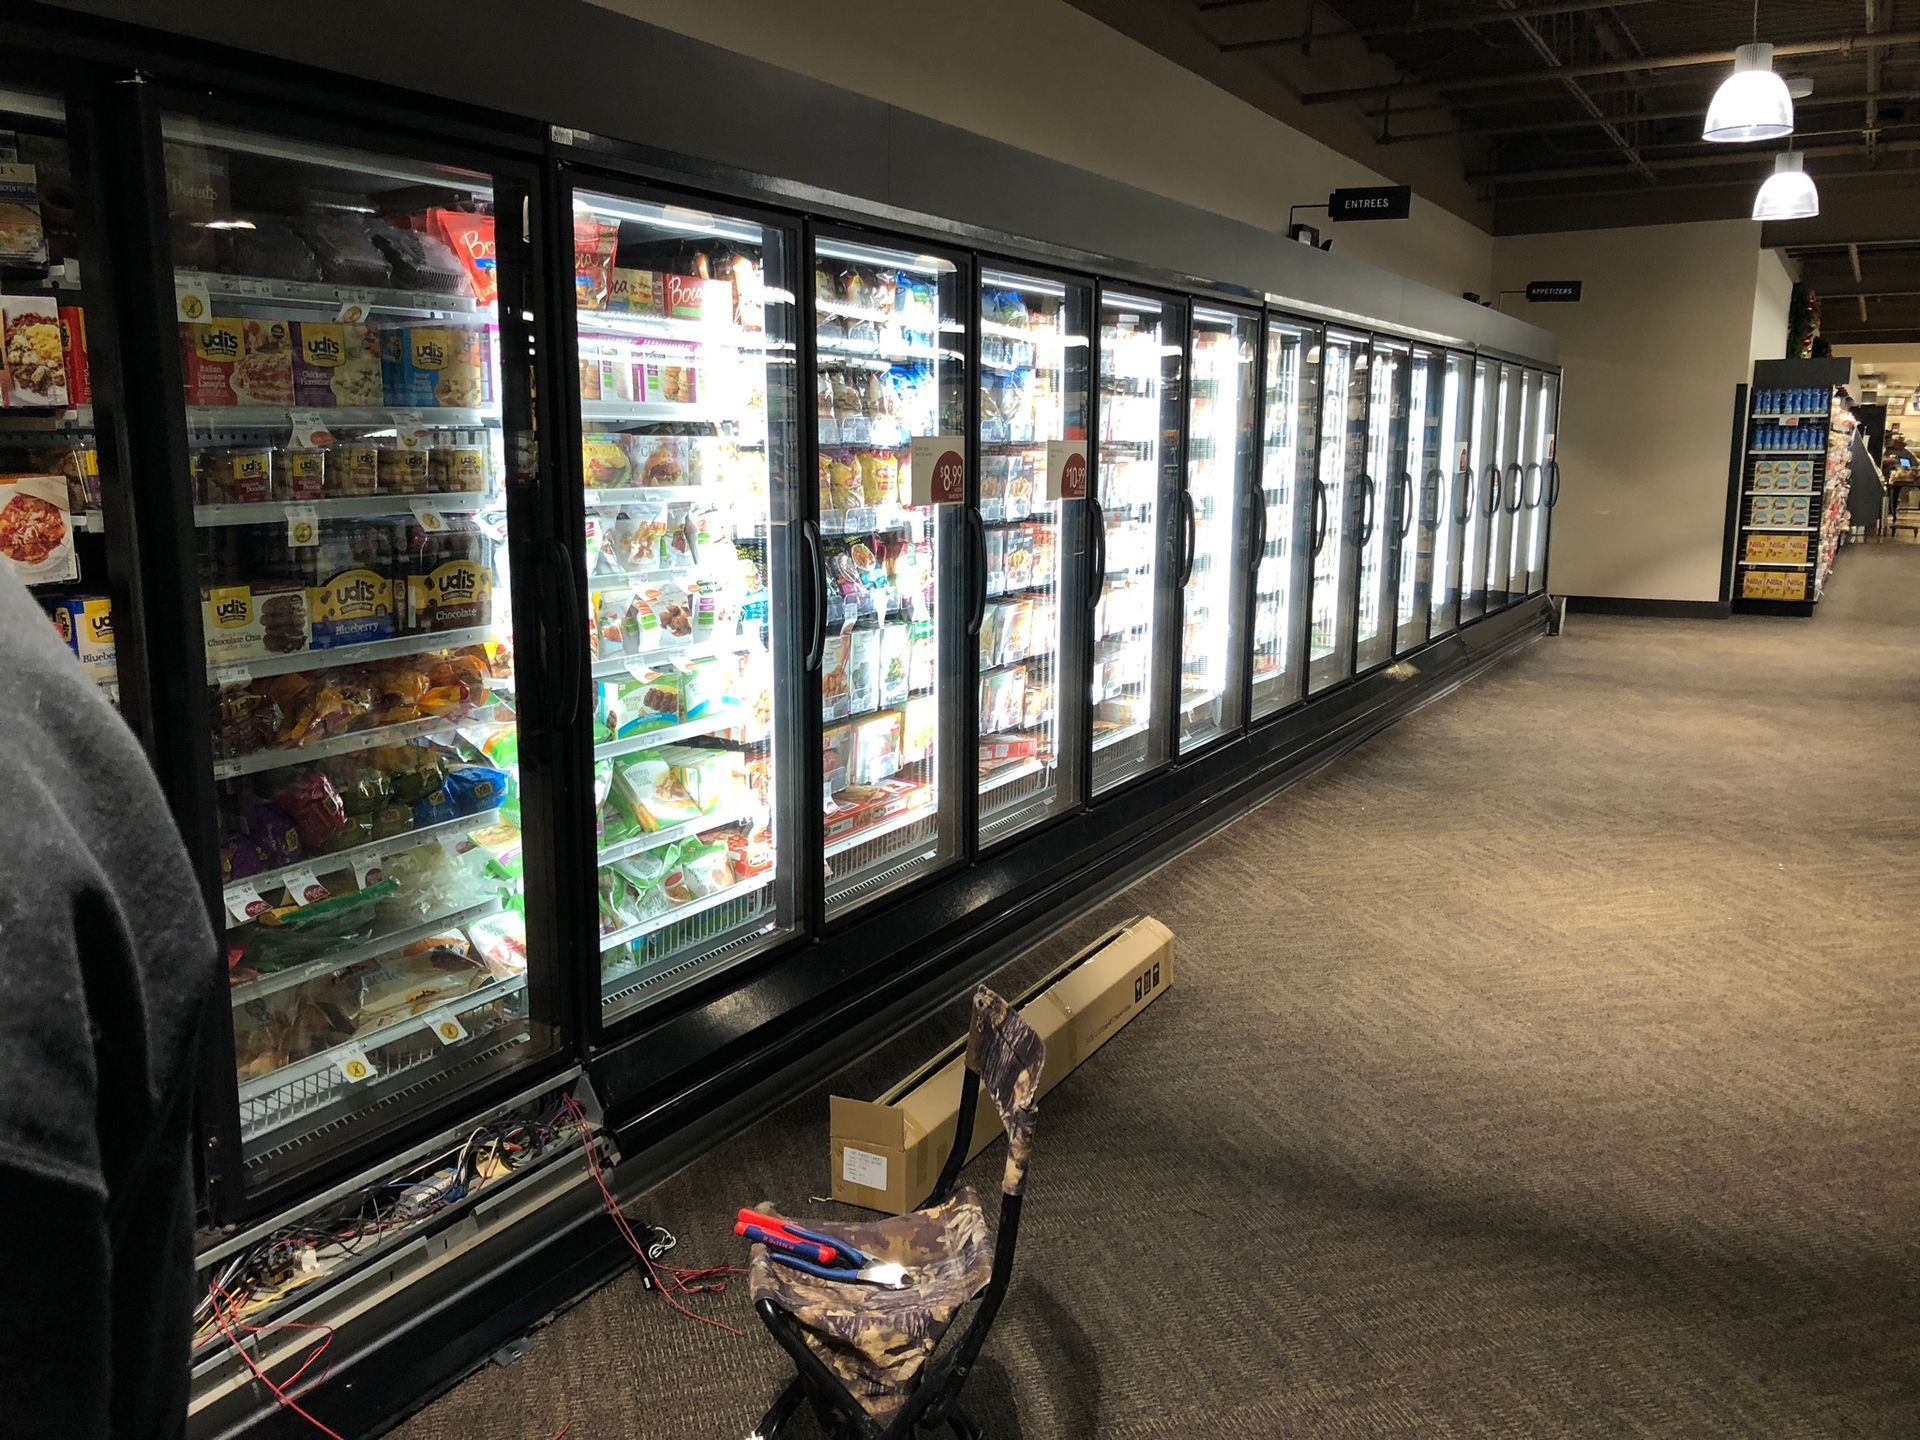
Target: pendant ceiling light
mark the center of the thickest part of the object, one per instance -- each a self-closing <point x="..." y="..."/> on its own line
<point x="1789" y="193"/>
<point x="1752" y="103"/>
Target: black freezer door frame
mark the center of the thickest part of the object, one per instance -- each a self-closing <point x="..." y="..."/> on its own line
<point x="168" y="548"/>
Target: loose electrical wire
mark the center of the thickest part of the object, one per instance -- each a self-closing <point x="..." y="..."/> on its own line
<point x="633" y="1242"/>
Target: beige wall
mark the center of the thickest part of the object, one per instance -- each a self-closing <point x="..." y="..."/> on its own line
<point x="1772" y="298"/>
<point x="1652" y="355"/>
<point x="1102" y="102"/>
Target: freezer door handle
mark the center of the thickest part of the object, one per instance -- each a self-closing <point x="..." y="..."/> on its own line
<point x="574" y="635"/>
<point x="1319" y="515"/>
<point x="1516" y="487"/>
<point x="1367" y="516"/>
<point x="1190" y="516"/>
<point x="1406" y="503"/>
<point x="816" y="594"/>
<point x="1493" y="489"/>
<point x="977" y="615"/>
<point x="1099" y="583"/>
<point x="1553" y="483"/>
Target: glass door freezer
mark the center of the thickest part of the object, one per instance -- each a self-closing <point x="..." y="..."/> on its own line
<point x="1483" y="490"/>
<point x="1340" y="508"/>
<point x="1382" y="483"/>
<point x="1222" y="412"/>
<point x="891" y="619"/>
<point x="1036" y="354"/>
<point x="1423" y="503"/>
<point x="358" y="434"/>
<point x="1283" y="512"/>
<point x="684" y="338"/>
<point x="1136" y="490"/>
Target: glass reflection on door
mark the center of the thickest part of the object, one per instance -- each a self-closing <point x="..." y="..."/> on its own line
<point x="1035" y="352"/>
<point x="890" y="347"/>
<point x="1451" y="470"/>
<point x="1380" y="504"/>
<point x="1423" y="499"/>
<point x="1286" y="488"/>
<point x="1338" y="502"/>
<point x="1222" y="412"/>
<point x="1483" y="490"/>
<point x="1136" y="482"/>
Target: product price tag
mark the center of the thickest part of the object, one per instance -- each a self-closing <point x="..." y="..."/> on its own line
<point x="191" y="302"/>
<point x="445" y="1026"/>
<point x="1066" y="470"/>
<point x="426" y="517"/>
<point x="355" y="307"/>
<point x="303" y="527"/>
<point x="253" y="289"/>
<point x="244" y="901"/>
<point x="939" y="470"/>
<point x="352" y="1063"/>
<point x="304" y="887"/>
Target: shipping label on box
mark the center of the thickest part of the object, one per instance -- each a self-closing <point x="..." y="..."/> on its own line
<point x="885" y="1154"/>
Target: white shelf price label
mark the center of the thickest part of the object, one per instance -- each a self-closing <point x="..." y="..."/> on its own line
<point x="191" y="302"/>
<point x="303" y="527"/>
<point x="939" y="470"/>
<point x="352" y="1063"/>
<point x="446" y="1027"/>
<point x="304" y="887"/>
<point x="1066" y="470"/>
<point x="244" y="901"/>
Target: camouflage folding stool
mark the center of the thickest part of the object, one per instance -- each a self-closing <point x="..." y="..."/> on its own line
<point x="870" y="1358"/>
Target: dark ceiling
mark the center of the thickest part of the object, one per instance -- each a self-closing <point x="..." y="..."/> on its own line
<point x="1579" y="114"/>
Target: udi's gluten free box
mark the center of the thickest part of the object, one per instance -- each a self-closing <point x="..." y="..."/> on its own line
<point x="886" y="1153"/>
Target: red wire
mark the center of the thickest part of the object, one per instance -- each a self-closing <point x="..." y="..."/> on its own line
<point x="279" y="1393"/>
<point x="626" y="1230"/>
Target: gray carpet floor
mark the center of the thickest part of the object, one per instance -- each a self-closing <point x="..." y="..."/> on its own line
<point x="1548" y="1066"/>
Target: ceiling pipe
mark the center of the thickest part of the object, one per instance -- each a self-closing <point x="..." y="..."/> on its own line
<point x="1459" y="85"/>
<point x="1418" y="27"/>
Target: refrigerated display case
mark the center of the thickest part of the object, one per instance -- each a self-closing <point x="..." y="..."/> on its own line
<point x="1509" y="425"/>
<point x="1222" y="420"/>
<point x="1383" y="488"/>
<point x="1340" y="508"/>
<point x="52" y="519"/>
<point x="1423" y="499"/>
<point x="1136" y="489"/>
<point x="890" y="376"/>
<point x="1450" y="468"/>
<point x="340" y="355"/>
<point x="1530" y="548"/>
<point x="684" y="341"/>
<point x="1287" y="462"/>
<point x="1483" y="489"/>
<point x="1035" y="362"/>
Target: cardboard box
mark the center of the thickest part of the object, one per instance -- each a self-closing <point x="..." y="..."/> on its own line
<point x="885" y="1154"/>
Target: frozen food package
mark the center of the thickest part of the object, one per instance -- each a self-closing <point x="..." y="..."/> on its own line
<point x="343" y="249"/>
<point x="264" y="245"/>
<point x="418" y="260"/>
<point x="469" y="234"/>
<point x="336" y="364"/>
<point x="36" y="365"/>
<point x="594" y="242"/>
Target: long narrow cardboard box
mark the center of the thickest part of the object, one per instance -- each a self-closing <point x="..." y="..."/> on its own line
<point x="887" y="1153"/>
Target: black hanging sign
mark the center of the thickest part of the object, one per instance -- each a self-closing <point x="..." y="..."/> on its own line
<point x="1374" y="202"/>
<point x="1546" y="291"/>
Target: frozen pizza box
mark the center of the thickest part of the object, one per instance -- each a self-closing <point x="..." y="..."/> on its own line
<point x="36" y="529"/>
<point x="885" y="1154"/>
